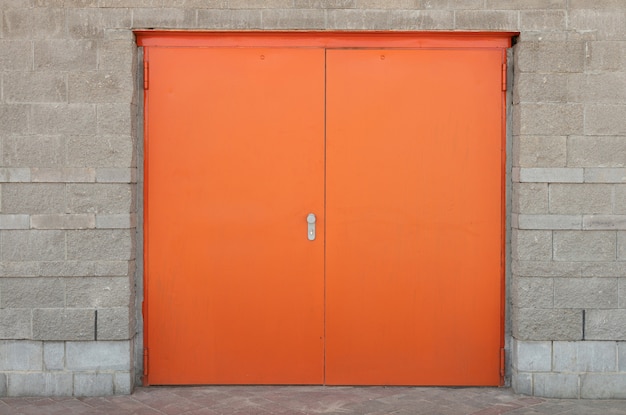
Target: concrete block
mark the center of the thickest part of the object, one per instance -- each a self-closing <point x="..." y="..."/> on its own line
<point x="32" y="292"/>
<point x="116" y="175"/>
<point x="529" y="292"/>
<point x="63" y="221"/>
<point x="449" y="4"/>
<point x="594" y="151"/>
<point x="606" y="56"/>
<point x="294" y="18"/>
<point x="93" y="384"/>
<point x="605" y="119"/>
<point x="40" y="384"/>
<point x="606" y="24"/>
<point x="421" y="19"/>
<point x="547" y="324"/>
<point x="114" y="268"/>
<point x="90" y="23"/>
<point x="101" y="198"/>
<point x="116" y="119"/>
<point x="163" y="18"/>
<point x="522" y="383"/>
<point x="113" y="323"/>
<point x="16" y="55"/>
<point x="550" y="222"/>
<point x="563" y="57"/>
<point x="621" y="246"/>
<point x="323" y="4"/>
<point x="546" y="269"/>
<point x="530" y="198"/>
<point x="604" y="222"/>
<point x="531" y="245"/>
<point x="98" y="355"/>
<point x="99" y="87"/>
<point x="122" y="383"/>
<point x="24" y="355"/>
<point x="607" y="87"/>
<point x="487" y="20"/>
<point x="62" y="175"/>
<point x="100" y="151"/>
<point x="602" y="269"/>
<point x="230" y="19"/>
<point x="35" y="23"/>
<point x="542" y="20"/>
<point x="32" y="245"/>
<point x="585" y="356"/>
<point x="19" y="268"/>
<point x="620" y="199"/>
<point x="605" y="175"/>
<point x="14" y="175"/>
<point x="621" y="356"/>
<point x="15" y="323"/>
<point x="605" y="324"/>
<point x="585" y="293"/>
<point x="98" y="292"/>
<point x="27" y="87"/>
<point x="53" y="356"/>
<point x="525" y="4"/>
<point x="100" y="244"/>
<point x="66" y="268"/>
<point x="584" y="246"/>
<point x="63" y="324"/>
<point x="64" y="119"/>
<point x="14" y="118"/>
<point x="3" y="384"/>
<point x="555" y="385"/>
<point x="552" y="175"/>
<point x="116" y="221"/>
<point x="603" y="386"/>
<point x="32" y="198"/>
<point x="532" y="356"/>
<point x="356" y="19"/>
<point x="581" y="198"/>
<point x="119" y="55"/>
<point x="14" y="221"/>
<point x="33" y="151"/>
<point x="546" y="151"/>
<point x="65" y="55"/>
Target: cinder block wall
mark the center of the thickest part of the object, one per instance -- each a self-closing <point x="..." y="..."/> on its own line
<point x="69" y="141"/>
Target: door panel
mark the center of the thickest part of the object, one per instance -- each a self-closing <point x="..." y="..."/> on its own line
<point x="413" y="208"/>
<point x="235" y="162"/>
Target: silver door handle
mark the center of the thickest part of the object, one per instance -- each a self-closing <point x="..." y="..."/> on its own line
<point x="310" y="220"/>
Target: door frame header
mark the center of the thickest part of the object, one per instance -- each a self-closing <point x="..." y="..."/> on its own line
<point x="318" y="39"/>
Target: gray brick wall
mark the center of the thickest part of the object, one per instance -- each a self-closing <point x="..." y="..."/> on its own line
<point x="68" y="179"/>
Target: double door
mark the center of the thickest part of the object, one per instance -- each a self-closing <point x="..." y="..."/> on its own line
<point x="398" y="155"/>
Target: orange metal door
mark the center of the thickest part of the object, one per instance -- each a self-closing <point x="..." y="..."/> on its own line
<point x="414" y="217"/>
<point x="234" y="163"/>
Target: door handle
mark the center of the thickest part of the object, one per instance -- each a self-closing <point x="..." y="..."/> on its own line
<point x="310" y="220"/>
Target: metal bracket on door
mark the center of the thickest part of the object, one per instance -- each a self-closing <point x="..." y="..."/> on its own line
<point x="310" y="219"/>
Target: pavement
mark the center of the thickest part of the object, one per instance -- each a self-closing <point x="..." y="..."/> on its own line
<point x="263" y="400"/>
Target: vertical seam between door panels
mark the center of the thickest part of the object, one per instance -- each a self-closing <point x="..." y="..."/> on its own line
<point x="324" y="213"/>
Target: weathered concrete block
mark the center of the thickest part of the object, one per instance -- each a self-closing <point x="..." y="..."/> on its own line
<point x="230" y="19"/>
<point x="581" y="198"/>
<point x="21" y="355"/>
<point x="585" y="356"/>
<point x="540" y="87"/>
<point x="294" y="18"/>
<point x="116" y="119"/>
<point x="552" y="175"/>
<point x="530" y="198"/>
<point x="63" y="221"/>
<point x="53" y="355"/>
<point x="63" y="324"/>
<point x="32" y="292"/>
<point x="525" y="4"/>
<point x="550" y="221"/>
<point x="606" y="24"/>
<point x="32" y="245"/>
<point x="584" y="246"/>
<point x="607" y="87"/>
<point x="546" y="151"/>
<point x="585" y="293"/>
<point x="122" y="383"/>
<point x="531" y="245"/>
<point x="90" y="23"/>
<point x="107" y="151"/>
<point x="15" y="323"/>
<point x="16" y="55"/>
<point x="532" y="356"/>
<point x="114" y="268"/>
<point x="100" y="355"/>
<point x="116" y="175"/>
<point x="533" y="293"/>
<point x="34" y="23"/>
<point x="93" y="384"/>
<point x="542" y="20"/>
<point x="604" y="222"/>
<point x="606" y="56"/>
<point x="65" y="55"/>
<point x="550" y="56"/>
<point x="116" y="221"/>
<point x="593" y="151"/>
<point x="98" y="292"/>
<point x="605" y="175"/>
<point x="113" y="323"/>
<point x="487" y="20"/>
<point x="101" y="198"/>
<point x="356" y="18"/>
<point x="420" y="19"/>
<point x="605" y="324"/>
<point x="547" y="324"/>
<point x="602" y="269"/>
<point x="118" y="55"/>
<point x="621" y="356"/>
<point x="13" y="117"/>
<point x="14" y="221"/>
<point x="522" y="383"/>
<point x="33" y="198"/>
<point x="66" y="268"/>
<point x="605" y="119"/>
<point x="621" y="246"/>
<point x="603" y="386"/>
<point x="620" y="199"/>
<point x="99" y="86"/>
<point x="40" y="384"/>
<point x="163" y="17"/>
<point x="62" y="174"/>
<point x="546" y="269"/>
<point x="14" y="175"/>
<point x="35" y="87"/>
<point x="33" y="151"/>
<point x="100" y="244"/>
<point x="555" y="385"/>
<point x="64" y="119"/>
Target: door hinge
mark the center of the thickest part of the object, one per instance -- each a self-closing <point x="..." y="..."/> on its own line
<point x="504" y="70"/>
<point x="145" y="362"/>
<point x="502" y="366"/>
<point x="145" y="74"/>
